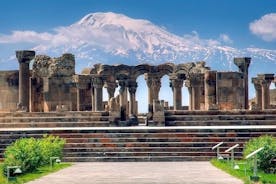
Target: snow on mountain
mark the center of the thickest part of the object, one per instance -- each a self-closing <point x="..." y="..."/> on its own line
<point x="115" y="38"/>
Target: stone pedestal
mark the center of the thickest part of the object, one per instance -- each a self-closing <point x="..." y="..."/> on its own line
<point x="243" y="64"/>
<point x="24" y="57"/>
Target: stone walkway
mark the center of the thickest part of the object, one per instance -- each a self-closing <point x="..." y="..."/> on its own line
<point x="139" y="173"/>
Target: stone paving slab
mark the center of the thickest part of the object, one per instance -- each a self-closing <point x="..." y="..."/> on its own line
<point x="139" y="173"/>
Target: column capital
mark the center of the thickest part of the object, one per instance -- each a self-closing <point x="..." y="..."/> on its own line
<point x="242" y="63"/>
<point x="132" y="86"/>
<point x="177" y="83"/>
<point x="195" y="80"/>
<point x="82" y="81"/>
<point x="257" y="82"/>
<point x="97" y="81"/>
<point x="153" y="80"/>
<point x="25" y="56"/>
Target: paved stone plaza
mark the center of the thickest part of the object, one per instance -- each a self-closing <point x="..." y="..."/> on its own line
<point x="139" y="172"/>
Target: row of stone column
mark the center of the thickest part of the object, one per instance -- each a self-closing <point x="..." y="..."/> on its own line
<point x="262" y="83"/>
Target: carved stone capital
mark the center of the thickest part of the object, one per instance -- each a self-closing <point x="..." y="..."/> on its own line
<point x="195" y="80"/>
<point x="132" y="86"/>
<point x="97" y="81"/>
<point x="25" y="56"/>
<point x="242" y="63"/>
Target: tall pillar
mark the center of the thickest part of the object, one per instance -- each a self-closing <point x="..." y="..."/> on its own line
<point x="266" y="80"/>
<point x="98" y="92"/>
<point x="93" y="97"/>
<point x="154" y="85"/>
<point x="24" y="57"/>
<point x="258" y="89"/>
<point x="122" y="94"/>
<point x="210" y="89"/>
<point x="196" y="82"/>
<point x="111" y="87"/>
<point x="176" y="85"/>
<point x="243" y="64"/>
<point x="132" y="86"/>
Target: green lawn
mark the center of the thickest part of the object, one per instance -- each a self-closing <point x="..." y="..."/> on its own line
<point x="42" y="171"/>
<point x="241" y="174"/>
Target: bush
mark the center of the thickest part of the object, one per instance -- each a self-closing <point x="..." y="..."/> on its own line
<point x="266" y="155"/>
<point x="30" y="153"/>
<point x="50" y="146"/>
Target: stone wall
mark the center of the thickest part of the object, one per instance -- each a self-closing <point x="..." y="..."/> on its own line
<point x="9" y="90"/>
<point x="229" y="90"/>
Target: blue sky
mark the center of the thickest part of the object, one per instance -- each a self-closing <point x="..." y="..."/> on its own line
<point x="227" y="21"/>
<point x="208" y="17"/>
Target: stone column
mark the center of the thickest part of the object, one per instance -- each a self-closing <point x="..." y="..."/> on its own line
<point x="258" y="89"/>
<point x="98" y="92"/>
<point x="24" y="57"/>
<point x="176" y="85"/>
<point x="188" y="85"/>
<point x="266" y="80"/>
<point x="122" y="94"/>
<point x="93" y="97"/>
<point x="210" y="89"/>
<point x="196" y="81"/>
<point x="111" y="87"/>
<point x="132" y="86"/>
<point x="154" y="85"/>
<point x="243" y="64"/>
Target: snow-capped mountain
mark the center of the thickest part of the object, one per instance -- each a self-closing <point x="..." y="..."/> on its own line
<point x="115" y="38"/>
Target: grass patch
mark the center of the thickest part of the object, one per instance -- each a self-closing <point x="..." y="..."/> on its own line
<point x="41" y="171"/>
<point x="225" y="166"/>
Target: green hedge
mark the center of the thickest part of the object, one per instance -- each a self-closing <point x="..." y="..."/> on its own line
<point x="264" y="157"/>
<point x="30" y="153"/>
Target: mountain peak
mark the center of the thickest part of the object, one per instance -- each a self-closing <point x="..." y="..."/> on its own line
<point x="101" y="19"/>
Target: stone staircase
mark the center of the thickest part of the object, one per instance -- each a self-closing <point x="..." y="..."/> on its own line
<point x="187" y="135"/>
<point x="220" y="118"/>
<point x="54" y="119"/>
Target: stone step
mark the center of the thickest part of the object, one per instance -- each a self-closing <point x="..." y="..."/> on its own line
<point x="138" y="159"/>
<point x="219" y="122"/>
<point x="141" y="143"/>
<point x="145" y="149"/>
<point x="220" y="112"/>
<point x="220" y="117"/>
<point x="130" y="139"/>
<point x="53" y="119"/>
<point x="53" y="114"/>
<point x="143" y="154"/>
<point x="54" y="124"/>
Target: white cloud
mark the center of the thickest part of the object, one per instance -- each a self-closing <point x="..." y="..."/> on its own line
<point x="225" y="38"/>
<point x="26" y="36"/>
<point x="265" y="27"/>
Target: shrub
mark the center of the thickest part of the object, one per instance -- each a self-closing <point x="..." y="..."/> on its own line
<point x="264" y="157"/>
<point x="30" y="153"/>
<point x="50" y="146"/>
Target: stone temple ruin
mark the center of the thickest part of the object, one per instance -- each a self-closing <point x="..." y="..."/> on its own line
<point x="53" y="85"/>
<point x="52" y="95"/>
